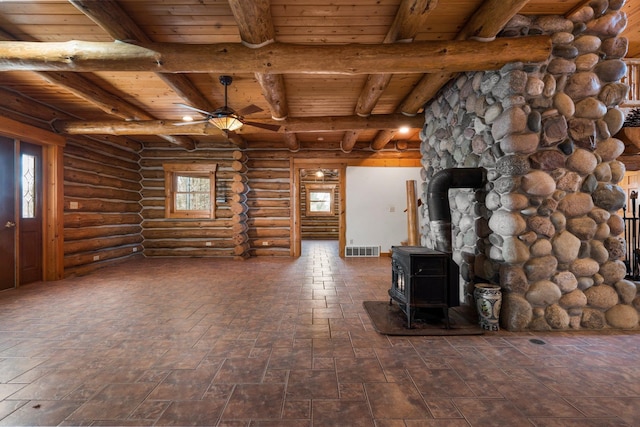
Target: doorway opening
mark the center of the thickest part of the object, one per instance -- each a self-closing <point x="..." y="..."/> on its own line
<point x="319" y="203"/>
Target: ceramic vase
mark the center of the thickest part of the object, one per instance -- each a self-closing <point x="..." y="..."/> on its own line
<point x="488" y="300"/>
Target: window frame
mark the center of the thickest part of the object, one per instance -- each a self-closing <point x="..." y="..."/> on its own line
<point x="171" y="173"/>
<point x="320" y="188"/>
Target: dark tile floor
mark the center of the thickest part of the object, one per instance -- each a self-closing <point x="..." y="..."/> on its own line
<point x="285" y="342"/>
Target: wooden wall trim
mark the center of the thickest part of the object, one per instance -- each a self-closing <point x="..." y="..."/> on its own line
<point x="27" y="133"/>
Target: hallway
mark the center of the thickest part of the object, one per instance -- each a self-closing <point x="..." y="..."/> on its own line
<point x="285" y="343"/>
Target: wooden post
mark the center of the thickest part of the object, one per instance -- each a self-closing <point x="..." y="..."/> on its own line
<point x="412" y="222"/>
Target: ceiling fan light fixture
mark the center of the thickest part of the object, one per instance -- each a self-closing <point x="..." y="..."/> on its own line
<point x="226" y="123"/>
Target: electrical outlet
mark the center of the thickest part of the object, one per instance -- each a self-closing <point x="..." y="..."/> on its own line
<point x="135" y="249"/>
<point x="351" y="241"/>
<point x="73" y="205"/>
<point x="265" y="243"/>
<point x="96" y="257"/>
<point x="207" y="243"/>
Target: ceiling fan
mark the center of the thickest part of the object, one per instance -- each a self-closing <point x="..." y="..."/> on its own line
<point x="226" y="118"/>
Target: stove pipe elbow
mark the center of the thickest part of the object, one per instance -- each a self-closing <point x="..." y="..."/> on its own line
<point x="438" y="200"/>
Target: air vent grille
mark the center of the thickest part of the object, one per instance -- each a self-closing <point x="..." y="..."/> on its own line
<point x="362" y="251"/>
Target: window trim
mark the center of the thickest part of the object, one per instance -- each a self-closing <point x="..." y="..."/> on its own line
<point x="320" y="188"/>
<point x="171" y="172"/>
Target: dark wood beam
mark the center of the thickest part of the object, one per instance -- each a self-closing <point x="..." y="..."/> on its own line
<point x="403" y="58"/>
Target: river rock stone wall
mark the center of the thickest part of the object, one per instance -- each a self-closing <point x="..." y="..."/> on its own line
<point x="546" y="227"/>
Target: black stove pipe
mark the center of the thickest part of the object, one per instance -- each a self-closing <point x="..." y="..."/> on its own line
<point x="438" y="200"/>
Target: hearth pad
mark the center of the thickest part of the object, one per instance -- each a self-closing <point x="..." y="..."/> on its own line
<point x="390" y="320"/>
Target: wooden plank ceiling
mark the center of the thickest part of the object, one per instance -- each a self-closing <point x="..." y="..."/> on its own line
<point x="316" y="109"/>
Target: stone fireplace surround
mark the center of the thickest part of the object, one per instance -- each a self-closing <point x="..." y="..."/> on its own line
<point x="546" y="225"/>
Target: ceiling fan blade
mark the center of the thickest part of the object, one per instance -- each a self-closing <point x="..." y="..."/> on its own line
<point x="268" y="126"/>
<point x="190" y="123"/>
<point x="206" y="113"/>
<point x="249" y="109"/>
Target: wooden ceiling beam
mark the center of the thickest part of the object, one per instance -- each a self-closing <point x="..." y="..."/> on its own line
<point x="485" y="24"/>
<point x="411" y="17"/>
<point x="109" y="16"/>
<point x="382" y="138"/>
<point x="278" y="58"/>
<point x="291" y="141"/>
<point x="174" y="127"/>
<point x="83" y="88"/>
<point x="256" y="29"/>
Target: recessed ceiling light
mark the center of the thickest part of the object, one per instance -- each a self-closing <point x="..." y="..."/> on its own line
<point x="187" y="118"/>
<point x="403" y="129"/>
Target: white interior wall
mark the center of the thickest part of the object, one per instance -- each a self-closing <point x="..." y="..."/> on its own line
<point x="376" y="198"/>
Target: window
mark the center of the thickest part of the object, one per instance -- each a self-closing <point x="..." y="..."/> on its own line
<point x="190" y="190"/>
<point x="320" y="199"/>
<point x="28" y="186"/>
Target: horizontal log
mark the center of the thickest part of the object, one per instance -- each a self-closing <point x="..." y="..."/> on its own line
<point x="273" y="251"/>
<point x="94" y="205"/>
<point x="268" y="164"/>
<point x="265" y="185"/>
<point x="123" y="158"/>
<point x="276" y="58"/>
<point x="101" y="168"/>
<point x="266" y="174"/>
<point x="270" y="243"/>
<point x="270" y="212"/>
<point x="82" y="219"/>
<point x="82" y="259"/>
<point x="86" y="191"/>
<point x="188" y="233"/>
<point x="266" y="194"/>
<point x="188" y="244"/>
<point x="164" y="224"/>
<point x="92" y="245"/>
<point x="268" y="222"/>
<point x="268" y="203"/>
<point x="71" y="234"/>
<point x="81" y="270"/>
<point x="268" y="232"/>
<point x="90" y="178"/>
<point x="186" y="252"/>
<point x="292" y="124"/>
<point x="112" y="143"/>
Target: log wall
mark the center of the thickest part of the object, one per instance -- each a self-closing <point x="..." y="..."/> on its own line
<point x="192" y="237"/>
<point x="102" y="223"/>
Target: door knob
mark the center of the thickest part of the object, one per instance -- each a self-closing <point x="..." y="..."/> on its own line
<point x="10" y="224"/>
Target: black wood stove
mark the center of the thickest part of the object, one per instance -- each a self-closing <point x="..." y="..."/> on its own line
<point x="423" y="279"/>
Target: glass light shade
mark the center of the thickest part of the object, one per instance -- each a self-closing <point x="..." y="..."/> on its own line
<point x="226" y="123"/>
